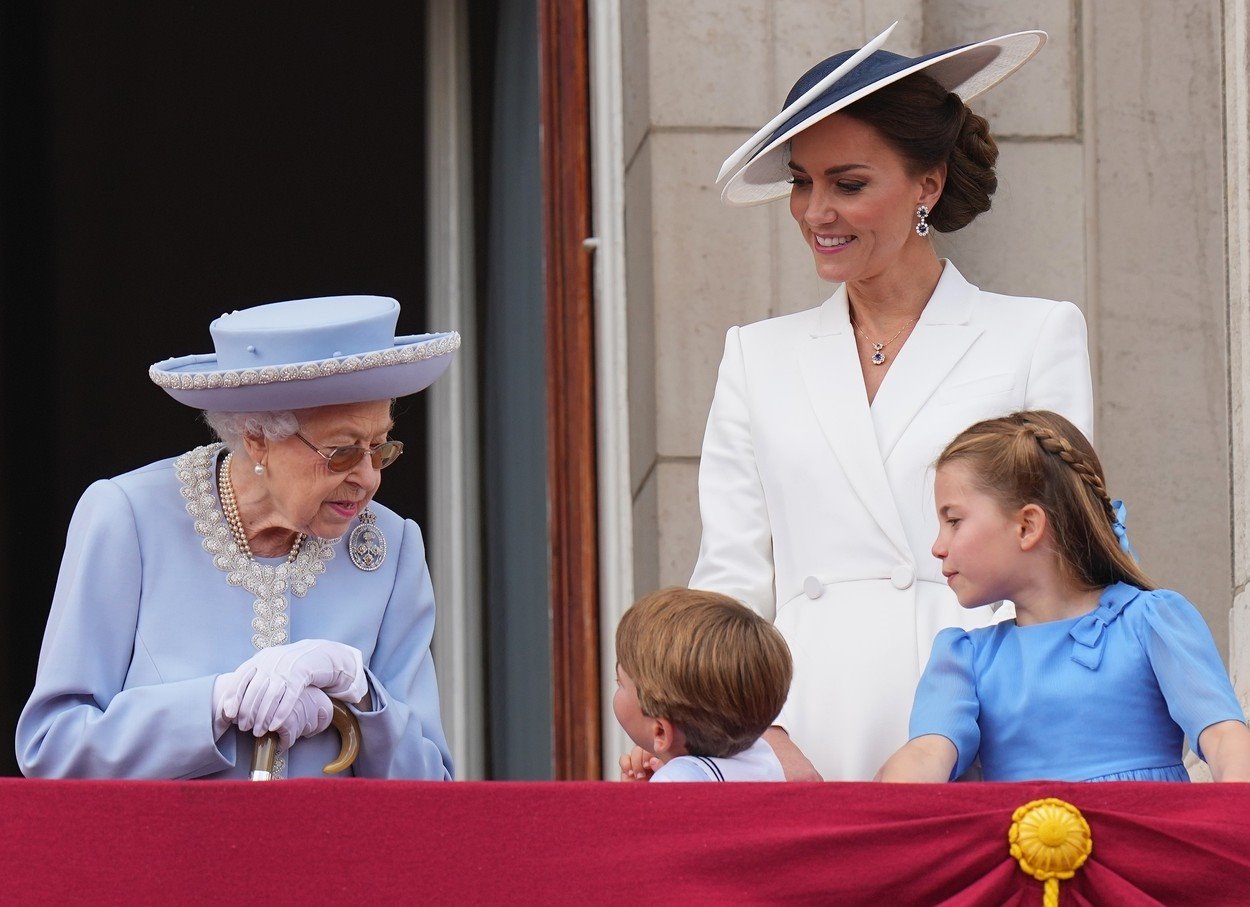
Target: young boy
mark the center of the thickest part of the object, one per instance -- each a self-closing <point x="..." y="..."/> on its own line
<point x="699" y="678"/>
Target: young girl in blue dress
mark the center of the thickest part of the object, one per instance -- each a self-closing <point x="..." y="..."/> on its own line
<point x="1101" y="675"/>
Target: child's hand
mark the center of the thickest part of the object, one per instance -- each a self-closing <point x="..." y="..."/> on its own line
<point x="638" y="765"/>
<point x="796" y="766"/>
<point x="929" y="758"/>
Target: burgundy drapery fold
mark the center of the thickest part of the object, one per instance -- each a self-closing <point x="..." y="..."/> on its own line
<point x="369" y="841"/>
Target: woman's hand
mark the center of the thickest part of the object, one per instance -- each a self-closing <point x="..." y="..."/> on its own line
<point x="311" y="716"/>
<point x="796" y="766"/>
<point x="268" y="685"/>
<point x="638" y="765"/>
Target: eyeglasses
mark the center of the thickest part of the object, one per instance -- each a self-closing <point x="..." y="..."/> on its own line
<point x="341" y="459"/>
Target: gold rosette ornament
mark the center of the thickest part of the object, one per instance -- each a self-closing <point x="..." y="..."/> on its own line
<point x="1051" y="840"/>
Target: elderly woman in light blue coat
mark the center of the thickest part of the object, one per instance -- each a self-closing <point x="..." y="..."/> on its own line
<point x="233" y="591"/>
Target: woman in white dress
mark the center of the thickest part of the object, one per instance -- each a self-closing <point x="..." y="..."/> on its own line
<point x="815" y="484"/>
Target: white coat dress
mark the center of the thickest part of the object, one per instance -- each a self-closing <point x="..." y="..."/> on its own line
<point x="818" y="509"/>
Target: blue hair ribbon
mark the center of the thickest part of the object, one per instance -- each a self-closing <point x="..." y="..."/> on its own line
<point x="1117" y="526"/>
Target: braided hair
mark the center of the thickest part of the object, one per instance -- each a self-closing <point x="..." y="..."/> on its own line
<point x="1039" y="457"/>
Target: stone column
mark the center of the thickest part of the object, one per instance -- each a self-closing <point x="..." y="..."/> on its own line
<point x="1159" y="285"/>
<point x="1237" y="162"/>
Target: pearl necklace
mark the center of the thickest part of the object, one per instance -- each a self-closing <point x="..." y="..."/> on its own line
<point x="231" y="510"/>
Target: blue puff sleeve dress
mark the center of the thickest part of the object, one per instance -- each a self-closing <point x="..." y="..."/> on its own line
<point x="1108" y="696"/>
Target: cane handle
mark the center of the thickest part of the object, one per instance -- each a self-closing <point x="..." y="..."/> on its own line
<point x="266" y="748"/>
<point x="349" y="732"/>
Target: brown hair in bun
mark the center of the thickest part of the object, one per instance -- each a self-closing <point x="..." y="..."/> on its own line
<point x="929" y="125"/>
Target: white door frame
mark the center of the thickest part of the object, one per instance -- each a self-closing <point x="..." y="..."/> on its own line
<point x="616" y="520"/>
<point x="454" y="537"/>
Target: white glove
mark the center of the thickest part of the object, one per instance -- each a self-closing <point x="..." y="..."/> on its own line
<point x="268" y="685"/>
<point x="311" y="715"/>
<point x="309" y="718"/>
<point x="223" y="688"/>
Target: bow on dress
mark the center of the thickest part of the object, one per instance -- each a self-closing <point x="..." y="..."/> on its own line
<point x="1089" y="634"/>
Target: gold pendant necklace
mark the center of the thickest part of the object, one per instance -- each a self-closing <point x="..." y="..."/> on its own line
<point x="878" y="349"/>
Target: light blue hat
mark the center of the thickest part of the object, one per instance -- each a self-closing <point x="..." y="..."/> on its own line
<point x="305" y="353"/>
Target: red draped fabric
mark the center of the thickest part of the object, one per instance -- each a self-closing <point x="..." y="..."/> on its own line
<point x="360" y="841"/>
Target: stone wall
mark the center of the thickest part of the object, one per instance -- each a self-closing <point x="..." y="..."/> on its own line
<point x="1112" y="195"/>
<point x="1237" y="175"/>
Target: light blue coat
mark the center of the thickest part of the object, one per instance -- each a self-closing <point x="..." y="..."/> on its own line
<point x="143" y="621"/>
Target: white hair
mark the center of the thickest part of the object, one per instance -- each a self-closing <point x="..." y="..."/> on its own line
<point x="232" y="428"/>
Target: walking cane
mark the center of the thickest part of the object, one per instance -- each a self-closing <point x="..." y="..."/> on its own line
<point x="344" y="721"/>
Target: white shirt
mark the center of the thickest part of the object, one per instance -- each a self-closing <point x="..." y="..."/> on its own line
<point x="757" y="762"/>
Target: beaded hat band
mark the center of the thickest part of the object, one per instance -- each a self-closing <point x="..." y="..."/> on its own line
<point x="305" y="353"/>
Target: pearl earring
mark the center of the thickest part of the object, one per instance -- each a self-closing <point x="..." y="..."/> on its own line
<point x="259" y="469"/>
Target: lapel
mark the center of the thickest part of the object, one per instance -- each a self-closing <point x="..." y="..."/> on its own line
<point x="937" y="343"/>
<point x="835" y="385"/>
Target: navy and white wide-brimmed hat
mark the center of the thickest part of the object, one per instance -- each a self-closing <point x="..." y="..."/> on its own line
<point x="759" y="170"/>
<point x="304" y="353"/>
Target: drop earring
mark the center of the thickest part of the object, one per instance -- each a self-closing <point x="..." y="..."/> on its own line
<point x="922" y="224"/>
<point x="259" y="469"/>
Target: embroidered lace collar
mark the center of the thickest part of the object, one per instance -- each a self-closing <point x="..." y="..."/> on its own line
<point x="268" y="582"/>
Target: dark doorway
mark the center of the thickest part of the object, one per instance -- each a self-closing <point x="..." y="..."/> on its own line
<point x="160" y="164"/>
